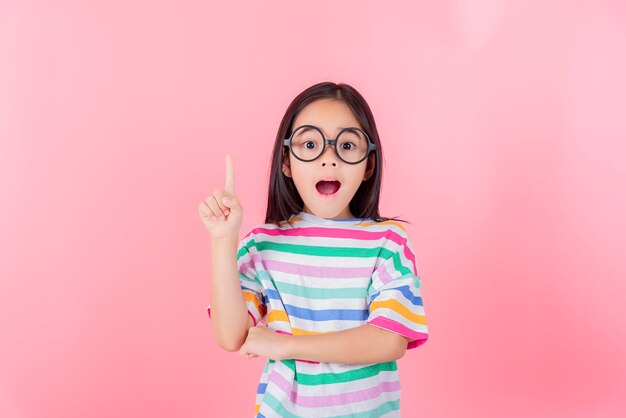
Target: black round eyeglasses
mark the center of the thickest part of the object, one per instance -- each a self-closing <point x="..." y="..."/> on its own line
<point x="307" y="143"/>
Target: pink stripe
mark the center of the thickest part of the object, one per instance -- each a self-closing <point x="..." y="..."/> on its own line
<point x="416" y="343"/>
<point x="331" y="400"/>
<point x="326" y="233"/>
<point x="383" y="274"/>
<point x="411" y="257"/>
<point x="312" y="271"/>
<point x="333" y="233"/>
<point x="244" y="267"/>
<point x="397" y="327"/>
<point x="253" y="318"/>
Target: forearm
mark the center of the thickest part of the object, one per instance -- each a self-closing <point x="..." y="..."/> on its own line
<point x="229" y="315"/>
<point x="359" y="345"/>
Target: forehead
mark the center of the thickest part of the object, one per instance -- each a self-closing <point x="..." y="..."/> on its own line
<point x="327" y="114"/>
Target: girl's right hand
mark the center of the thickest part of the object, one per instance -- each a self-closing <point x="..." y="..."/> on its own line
<point x="222" y="213"/>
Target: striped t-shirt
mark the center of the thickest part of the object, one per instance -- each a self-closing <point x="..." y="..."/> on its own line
<point x="310" y="275"/>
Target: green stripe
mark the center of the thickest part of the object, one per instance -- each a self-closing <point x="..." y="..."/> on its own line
<point x="321" y="293"/>
<point x="316" y="249"/>
<point x="327" y="251"/>
<point x="400" y="268"/>
<point x="308" y="292"/>
<point x="273" y="403"/>
<point x="242" y="251"/>
<point x="328" y="378"/>
<point x="347" y="376"/>
<point x="291" y="363"/>
<point x="305" y="291"/>
<point x="343" y="377"/>
<point x="245" y="278"/>
<point x="314" y="292"/>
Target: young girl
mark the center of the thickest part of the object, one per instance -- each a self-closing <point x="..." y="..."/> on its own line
<point x="336" y="284"/>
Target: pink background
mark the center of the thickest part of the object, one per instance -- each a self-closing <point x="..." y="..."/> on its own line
<point x="503" y="126"/>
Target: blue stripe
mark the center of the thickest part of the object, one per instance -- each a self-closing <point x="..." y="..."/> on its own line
<point x="327" y="314"/>
<point x="406" y="292"/>
<point x="272" y="294"/>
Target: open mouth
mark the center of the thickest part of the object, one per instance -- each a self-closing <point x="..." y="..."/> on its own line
<point x="328" y="187"/>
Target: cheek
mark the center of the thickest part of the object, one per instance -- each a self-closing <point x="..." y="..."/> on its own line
<point x="299" y="173"/>
<point x="356" y="178"/>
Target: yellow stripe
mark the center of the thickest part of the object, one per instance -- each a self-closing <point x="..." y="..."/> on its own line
<point x="296" y="220"/>
<point x="394" y="223"/>
<point x="281" y="316"/>
<point x="277" y="315"/>
<point x="249" y="296"/>
<point x="398" y="307"/>
<point x="299" y="331"/>
<point x="394" y="305"/>
<point x="398" y="224"/>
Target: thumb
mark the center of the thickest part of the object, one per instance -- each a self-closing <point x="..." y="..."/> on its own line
<point x="230" y="201"/>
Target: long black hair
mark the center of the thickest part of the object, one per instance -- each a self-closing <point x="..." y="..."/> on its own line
<point x="283" y="199"/>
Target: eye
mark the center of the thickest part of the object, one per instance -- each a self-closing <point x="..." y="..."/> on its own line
<point x="348" y="146"/>
<point x="307" y="143"/>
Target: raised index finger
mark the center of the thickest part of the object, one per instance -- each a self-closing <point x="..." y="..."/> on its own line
<point x="230" y="174"/>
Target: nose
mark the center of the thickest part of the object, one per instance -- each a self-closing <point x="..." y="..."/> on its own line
<point x="329" y="156"/>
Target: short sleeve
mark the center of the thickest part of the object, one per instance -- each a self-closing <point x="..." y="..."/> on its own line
<point x="251" y="286"/>
<point x="395" y="299"/>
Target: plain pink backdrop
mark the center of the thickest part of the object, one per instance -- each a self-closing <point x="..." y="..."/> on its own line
<point x="504" y="133"/>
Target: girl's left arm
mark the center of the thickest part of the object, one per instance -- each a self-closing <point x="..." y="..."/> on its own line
<point x="358" y="345"/>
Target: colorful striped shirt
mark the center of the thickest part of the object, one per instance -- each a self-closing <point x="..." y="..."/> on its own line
<point x="311" y="275"/>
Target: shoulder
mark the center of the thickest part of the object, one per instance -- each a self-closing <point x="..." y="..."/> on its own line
<point x="394" y="234"/>
<point x="262" y="232"/>
<point x="396" y="244"/>
<point x="397" y="251"/>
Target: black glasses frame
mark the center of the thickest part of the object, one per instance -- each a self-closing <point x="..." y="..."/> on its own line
<point x="371" y="146"/>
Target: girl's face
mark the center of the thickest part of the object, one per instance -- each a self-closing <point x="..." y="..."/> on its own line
<point x="330" y="116"/>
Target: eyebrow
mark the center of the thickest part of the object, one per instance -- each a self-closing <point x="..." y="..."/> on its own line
<point x="310" y="129"/>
